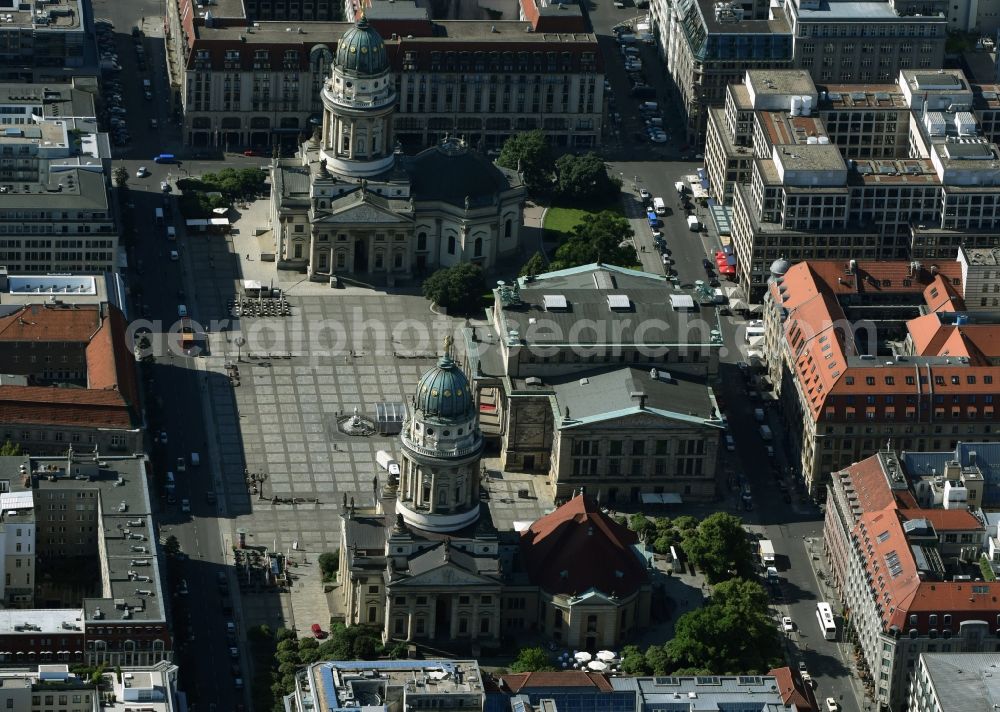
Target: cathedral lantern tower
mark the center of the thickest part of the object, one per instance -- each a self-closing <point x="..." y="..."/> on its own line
<point x="359" y="99"/>
<point x="441" y="449"/>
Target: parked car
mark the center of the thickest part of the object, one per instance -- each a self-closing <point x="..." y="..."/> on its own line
<point x="318" y="631"/>
<point x="142" y="172"/>
<point x="165" y="186"/>
<point x="787" y="625"/>
<point x="831" y="705"/>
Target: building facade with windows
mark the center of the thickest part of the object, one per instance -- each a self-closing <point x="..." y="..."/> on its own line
<point x="75" y="384"/>
<point x="585" y="375"/>
<point x="863" y="352"/>
<point x="427" y="562"/>
<point x="352" y="203"/>
<point x="46" y="43"/>
<point x="882" y="184"/>
<point x="951" y="682"/>
<point x="257" y="84"/>
<point x="907" y="576"/>
<point x="55" y="209"/>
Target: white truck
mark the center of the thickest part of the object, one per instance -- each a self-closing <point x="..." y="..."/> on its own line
<point x="387" y="463"/>
<point x="766" y="553"/>
<point x="659" y="206"/>
<point x="693" y="224"/>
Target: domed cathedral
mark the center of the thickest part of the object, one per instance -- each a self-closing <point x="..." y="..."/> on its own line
<point x="351" y="204"/>
<point x="425" y="562"/>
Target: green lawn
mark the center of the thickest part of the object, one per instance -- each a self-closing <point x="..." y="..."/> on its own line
<point x="559" y="221"/>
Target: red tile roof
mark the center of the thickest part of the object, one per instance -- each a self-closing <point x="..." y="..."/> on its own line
<point x="42" y="323"/>
<point x="870" y="485"/>
<point x="112" y="393"/>
<point x="577" y="548"/>
<point x="896" y="585"/>
<point x="38" y="405"/>
<point x="820" y="347"/>
<point x="793" y="690"/>
<point x="516" y="682"/>
<point x="945" y="520"/>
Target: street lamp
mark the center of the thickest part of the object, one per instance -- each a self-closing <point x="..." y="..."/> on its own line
<point x="240" y="342"/>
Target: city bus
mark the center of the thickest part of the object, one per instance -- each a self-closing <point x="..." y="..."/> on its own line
<point x="824" y="615"/>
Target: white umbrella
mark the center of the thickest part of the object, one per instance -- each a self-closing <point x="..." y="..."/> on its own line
<point x="606" y="655"/>
<point x="597" y="666"/>
<point x="583" y="656"/>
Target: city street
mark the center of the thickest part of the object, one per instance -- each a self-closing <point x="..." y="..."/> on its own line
<point x="185" y="387"/>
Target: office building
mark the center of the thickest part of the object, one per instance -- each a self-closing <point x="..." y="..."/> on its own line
<point x="975" y="462"/>
<point x="868" y="188"/>
<point x="53" y="686"/>
<point x="49" y="42"/>
<point x="709" y="45"/>
<point x="433" y="560"/>
<point x="55" y="210"/>
<point x="587" y="375"/>
<point x="953" y="682"/>
<point x="254" y="84"/>
<point x="91" y="513"/>
<point x="352" y="203"/>
<point x="71" y="375"/>
<point x="912" y="366"/>
<point x="909" y="575"/>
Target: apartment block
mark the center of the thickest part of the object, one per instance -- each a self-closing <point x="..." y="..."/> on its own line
<point x="73" y="381"/>
<point x="47" y="42"/>
<point x="908" y="575"/>
<point x="55" y="210"/>
<point x="829" y="173"/>
<point x="709" y="45"/>
<point x="980" y="277"/>
<point x="582" y="373"/>
<point x="52" y="686"/>
<point x="91" y="513"/>
<point x="953" y="682"/>
<point x="258" y="83"/>
<point x="863" y="352"/>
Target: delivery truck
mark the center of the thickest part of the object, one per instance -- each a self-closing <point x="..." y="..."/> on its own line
<point x="387" y="463"/>
<point x="693" y="224"/>
<point x="766" y="552"/>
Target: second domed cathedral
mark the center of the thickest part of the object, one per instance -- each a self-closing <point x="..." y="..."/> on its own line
<point x="424" y="560"/>
<point x="352" y="204"/>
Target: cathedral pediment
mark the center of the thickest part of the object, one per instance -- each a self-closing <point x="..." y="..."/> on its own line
<point x="446" y="575"/>
<point x="364" y="213"/>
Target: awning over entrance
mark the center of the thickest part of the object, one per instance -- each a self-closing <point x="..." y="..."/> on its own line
<point x="661" y="498"/>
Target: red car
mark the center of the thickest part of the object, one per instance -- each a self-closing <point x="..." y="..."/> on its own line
<point x="249" y="152"/>
<point x="318" y="632"/>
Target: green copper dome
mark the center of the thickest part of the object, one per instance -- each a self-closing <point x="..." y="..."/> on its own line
<point x="362" y="51"/>
<point x="444" y="391"/>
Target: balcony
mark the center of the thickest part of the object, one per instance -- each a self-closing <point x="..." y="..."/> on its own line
<point x="442" y="451"/>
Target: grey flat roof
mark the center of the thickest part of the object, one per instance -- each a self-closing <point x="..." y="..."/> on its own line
<point x="119" y="480"/>
<point x="781" y="81"/>
<point x="973" y="151"/>
<point x="857" y="11"/>
<point x="761" y="692"/>
<point x="964" y="681"/>
<point x="588" y="319"/>
<point x="596" y="395"/>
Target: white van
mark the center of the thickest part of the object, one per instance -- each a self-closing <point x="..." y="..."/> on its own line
<point x="182" y="311"/>
<point x="387" y="463"/>
<point x="659" y="206"/>
<point x="171" y="232"/>
<point x="693" y="224"/>
<point x="158" y="214"/>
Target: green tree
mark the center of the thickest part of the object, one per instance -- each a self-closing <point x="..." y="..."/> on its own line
<point x="171" y="547"/>
<point x="641" y="525"/>
<point x="720" y="548"/>
<point x="120" y="175"/>
<point x="634" y="661"/>
<point x="585" y="178"/>
<point x="9" y="449"/>
<point x="535" y="266"/>
<point x="530" y="154"/>
<point x="733" y="633"/>
<point x="457" y="287"/>
<point x="532" y="660"/>
<point x="657" y="660"/>
<point x="329" y="562"/>
<point x="599" y="239"/>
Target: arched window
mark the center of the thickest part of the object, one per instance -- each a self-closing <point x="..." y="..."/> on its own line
<point x="451" y="244"/>
<point x="379" y="259"/>
<point x="422" y="241"/>
<point x="477" y="249"/>
<point x="341" y="260"/>
<point x="397" y="260"/>
<point x="508" y="225"/>
<point x="442" y="497"/>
